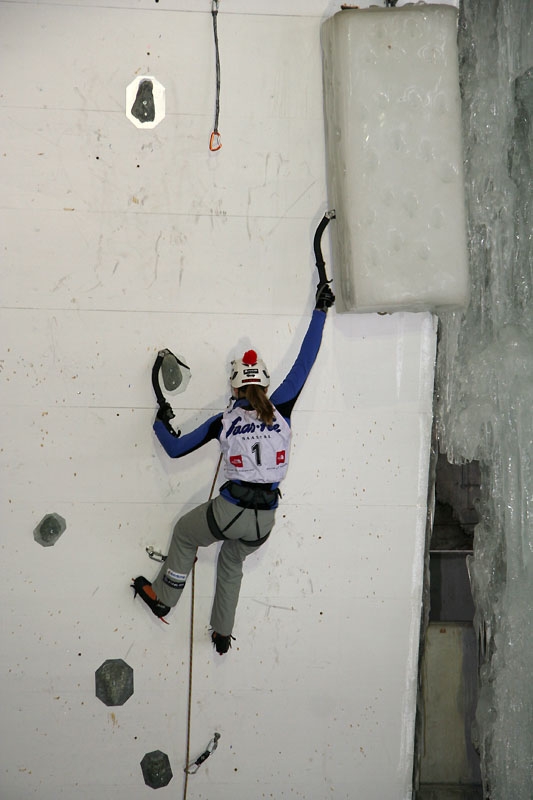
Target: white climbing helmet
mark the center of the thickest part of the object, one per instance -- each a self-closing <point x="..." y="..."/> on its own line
<point x="247" y="370"/>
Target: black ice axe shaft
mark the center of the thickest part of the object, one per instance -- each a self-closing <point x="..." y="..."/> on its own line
<point x="155" y="379"/>
<point x="320" y="263"/>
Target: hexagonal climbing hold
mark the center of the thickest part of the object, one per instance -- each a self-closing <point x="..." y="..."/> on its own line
<point x="49" y="529"/>
<point x="114" y="682"/>
<point x="156" y="769"/>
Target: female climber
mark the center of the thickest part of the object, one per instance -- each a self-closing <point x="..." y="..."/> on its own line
<point x="254" y="435"/>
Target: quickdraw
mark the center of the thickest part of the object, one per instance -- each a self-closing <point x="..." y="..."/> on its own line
<point x="215" y="142"/>
<point x="194" y="766"/>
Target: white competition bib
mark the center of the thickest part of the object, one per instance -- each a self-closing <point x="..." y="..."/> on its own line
<point x="252" y="450"/>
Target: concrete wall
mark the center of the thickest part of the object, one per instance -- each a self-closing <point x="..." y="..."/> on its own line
<point x="449" y="687"/>
<point x="116" y="242"/>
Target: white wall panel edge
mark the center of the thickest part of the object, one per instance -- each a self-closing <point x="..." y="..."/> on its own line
<point x="304" y="8"/>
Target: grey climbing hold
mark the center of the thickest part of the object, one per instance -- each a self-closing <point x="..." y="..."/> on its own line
<point x="49" y="530"/>
<point x="145" y="102"/>
<point x="156" y="769"/>
<point x="171" y="372"/>
<point x="114" y="682"/>
<point x="143" y="107"/>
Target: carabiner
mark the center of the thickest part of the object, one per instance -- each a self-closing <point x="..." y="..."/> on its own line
<point x="215" y="142"/>
<point x="155" y="555"/>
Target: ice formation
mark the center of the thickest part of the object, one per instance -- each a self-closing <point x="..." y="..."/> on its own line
<point x="485" y="377"/>
<point x="394" y="155"/>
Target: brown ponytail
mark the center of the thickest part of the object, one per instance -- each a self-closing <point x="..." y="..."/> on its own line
<point x="256" y="396"/>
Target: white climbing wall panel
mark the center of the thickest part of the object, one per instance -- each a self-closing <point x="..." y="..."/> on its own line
<point x="117" y="241"/>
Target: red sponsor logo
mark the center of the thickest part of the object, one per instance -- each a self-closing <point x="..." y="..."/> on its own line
<point x="236" y="461"/>
<point x="280" y="457"/>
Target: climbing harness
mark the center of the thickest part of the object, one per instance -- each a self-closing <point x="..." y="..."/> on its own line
<point x="191" y="642"/>
<point x="259" y="497"/>
<point x="252" y="495"/>
<point x="215" y="142"/>
<point x="194" y="766"/>
<point x="220" y="534"/>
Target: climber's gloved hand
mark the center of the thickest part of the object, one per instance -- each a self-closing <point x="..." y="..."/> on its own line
<point x="164" y="415"/>
<point x="324" y="297"/>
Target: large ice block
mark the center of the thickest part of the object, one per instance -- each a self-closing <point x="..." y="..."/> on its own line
<point x="394" y="159"/>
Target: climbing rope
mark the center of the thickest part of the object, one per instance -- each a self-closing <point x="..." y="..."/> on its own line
<point x="215" y="142"/>
<point x="191" y="647"/>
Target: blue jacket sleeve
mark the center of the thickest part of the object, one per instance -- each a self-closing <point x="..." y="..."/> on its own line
<point x="177" y="446"/>
<point x="285" y="396"/>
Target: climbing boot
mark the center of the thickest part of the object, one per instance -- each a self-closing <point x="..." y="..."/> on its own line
<point x="221" y="643"/>
<point x="143" y="588"/>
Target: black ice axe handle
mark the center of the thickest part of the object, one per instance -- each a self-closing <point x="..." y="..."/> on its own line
<point x="165" y="413"/>
<point x="320" y="263"/>
<point x="155" y="378"/>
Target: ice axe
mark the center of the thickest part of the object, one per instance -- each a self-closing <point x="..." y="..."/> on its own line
<point x="173" y="375"/>
<point x="320" y="263"/>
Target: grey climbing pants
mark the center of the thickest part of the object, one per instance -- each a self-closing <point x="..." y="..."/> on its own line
<point x="193" y="531"/>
